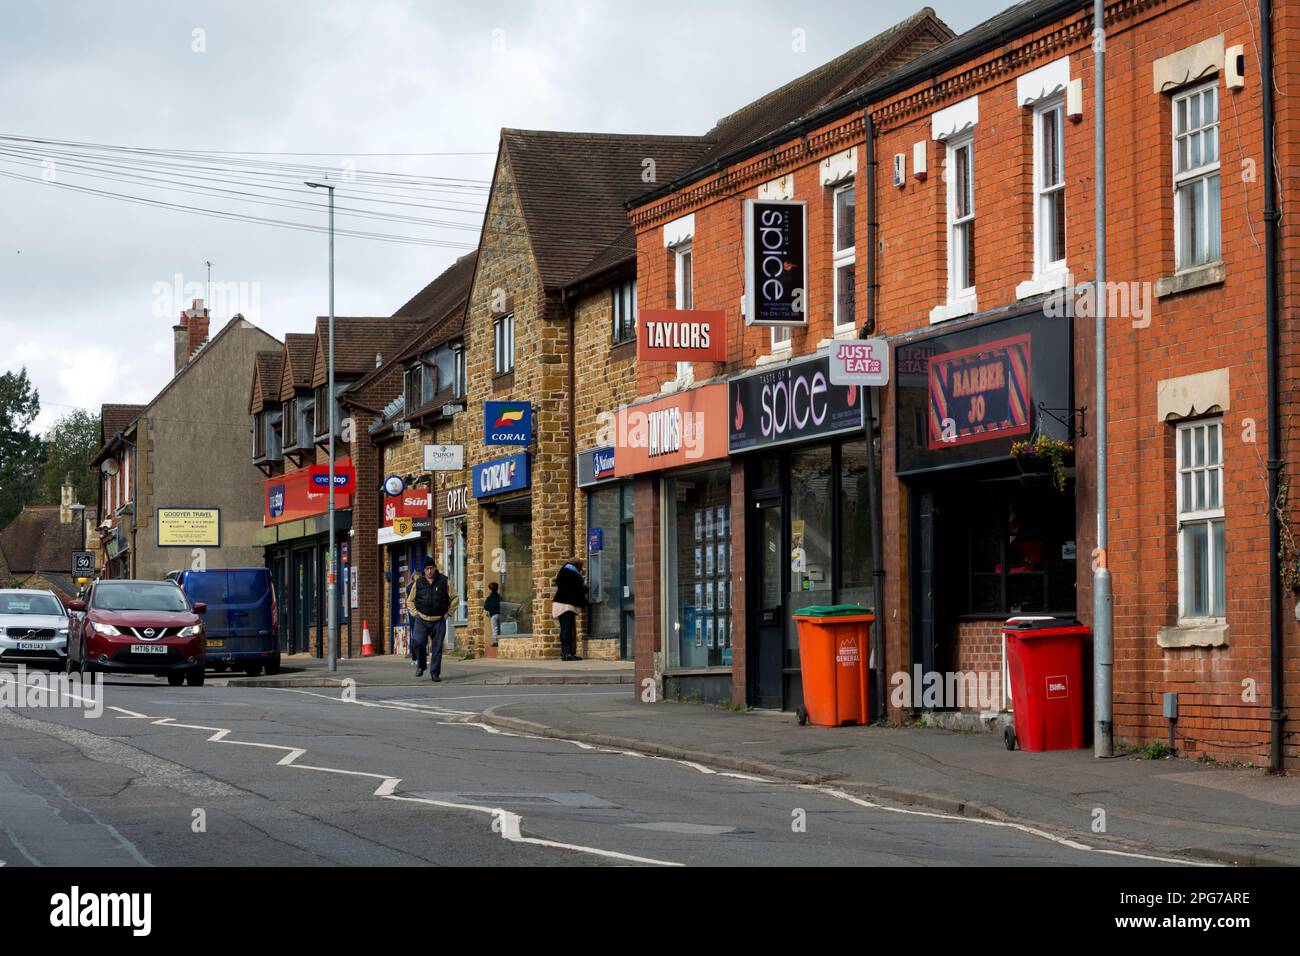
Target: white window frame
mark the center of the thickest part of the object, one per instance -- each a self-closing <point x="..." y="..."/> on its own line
<point x="1196" y="177"/>
<point x="458" y="386"/>
<point x="841" y="258"/>
<point x="956" y="292"/>
<point x="1204" y="474"/>
<point x="1044" y="193"/>
<point x="684" y="287"/>
<point x="503" y="344"/>
<point x="624" y="312"/>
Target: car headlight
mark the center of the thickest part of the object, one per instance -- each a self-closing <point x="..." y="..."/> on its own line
<point x="194" y="630"/>
<point x="108" y="629"/>
<point x="63" y="631"/>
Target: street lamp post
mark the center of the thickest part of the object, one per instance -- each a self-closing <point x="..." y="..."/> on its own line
<point x="330" y="576"/>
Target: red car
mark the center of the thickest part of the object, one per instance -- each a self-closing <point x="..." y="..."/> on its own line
<point x="138" y="627"/>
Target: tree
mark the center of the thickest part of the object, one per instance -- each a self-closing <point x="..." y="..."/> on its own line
<point x="70" y="444"/>
<point x="20" y="450"/>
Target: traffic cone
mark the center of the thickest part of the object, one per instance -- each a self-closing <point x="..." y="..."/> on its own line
<point x="367" y="648"/>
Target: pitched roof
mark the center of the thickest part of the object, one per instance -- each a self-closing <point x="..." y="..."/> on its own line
<point x="266" y="379"/>
<point x="832" y="79"/>
<point x="36" y="541"/>
<point x="357" y="340"/>
<point x="443" y="293"/>
<point x="296" y="366"/>
<point x="115" y="418"/>
<point x="573" y="186"/>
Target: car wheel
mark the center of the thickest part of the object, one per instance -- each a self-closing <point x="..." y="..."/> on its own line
<point x="252" y="670"/>
<point x="195" y="677"/>
<point x="175" y="680"/>
<point x="273" y="666"/>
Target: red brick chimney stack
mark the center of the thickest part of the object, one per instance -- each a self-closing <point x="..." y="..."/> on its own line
<point x="189" y="333"/>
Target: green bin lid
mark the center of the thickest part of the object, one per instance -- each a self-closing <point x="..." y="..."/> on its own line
<point x="833" y="610"/>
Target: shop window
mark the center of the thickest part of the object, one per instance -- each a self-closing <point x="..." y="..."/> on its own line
<point x="857" y="554"/>
<point x="698" y="568"/>
<point x="1201" y="565"/>
<point x="603" y="511"/>
<point x="812" y="484"/>
<point x="624" y="311"/>
<point x="1197" y="239"/>
<point x="454" y="562"/>
<point x="515" y="560"/>
<point x="843" y="257"/>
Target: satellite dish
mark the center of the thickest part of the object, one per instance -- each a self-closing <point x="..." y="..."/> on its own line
<point x="109" y="466"/>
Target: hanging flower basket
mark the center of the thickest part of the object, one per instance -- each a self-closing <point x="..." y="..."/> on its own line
<point x="1042" y="460"/>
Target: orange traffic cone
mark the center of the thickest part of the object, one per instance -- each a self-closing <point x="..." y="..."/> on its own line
<point x="367" y="647"/>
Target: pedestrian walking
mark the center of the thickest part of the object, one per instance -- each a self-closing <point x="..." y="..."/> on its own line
<point x="570" y="596"/>
<point x="428" y="600"/>
<point x="492" y="606"/>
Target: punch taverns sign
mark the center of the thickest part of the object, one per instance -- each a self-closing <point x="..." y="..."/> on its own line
<point x="776" y="262"/>
<point x="795" y="402"/>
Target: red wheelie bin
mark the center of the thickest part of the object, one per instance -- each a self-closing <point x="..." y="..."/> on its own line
<point x="1045" y="664"/>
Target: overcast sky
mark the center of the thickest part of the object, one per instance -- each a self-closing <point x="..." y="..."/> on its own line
<point x="89" y="285"/>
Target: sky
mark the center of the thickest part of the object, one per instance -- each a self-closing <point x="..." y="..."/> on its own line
<point x="398" y="103"/>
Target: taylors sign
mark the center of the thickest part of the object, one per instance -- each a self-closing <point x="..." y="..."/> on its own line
<point x="791" y="403"/>
<point x="500" y="476"/>
<point x="682" y="335"/>
<point x="776" y="259"/>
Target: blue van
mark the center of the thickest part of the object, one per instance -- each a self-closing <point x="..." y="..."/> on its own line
<point x="242" y="626"/>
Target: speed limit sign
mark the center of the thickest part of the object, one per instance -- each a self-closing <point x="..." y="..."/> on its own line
<point x="83" y="563"/>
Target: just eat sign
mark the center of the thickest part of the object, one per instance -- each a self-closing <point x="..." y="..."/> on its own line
<point x="860" y="362"/>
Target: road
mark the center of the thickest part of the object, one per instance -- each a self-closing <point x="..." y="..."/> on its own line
<point x="408" y="776"/>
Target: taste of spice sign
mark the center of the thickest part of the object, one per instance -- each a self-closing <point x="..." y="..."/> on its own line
<point x="979" y="393"/>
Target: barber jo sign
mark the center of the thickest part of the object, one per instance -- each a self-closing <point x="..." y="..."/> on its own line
<point x="860" y="362"/>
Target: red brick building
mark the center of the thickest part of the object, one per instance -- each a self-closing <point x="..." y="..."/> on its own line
<point x="972" y="165"/>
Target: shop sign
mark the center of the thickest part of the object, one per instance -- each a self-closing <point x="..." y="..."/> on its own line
<point x="862" y="362"/>
<point x="595" y="539"/>
<point x="345" y="477"/>
<point x="682" y="335"/>
<point x="411" y="507"/>
<point x="189" y="527"/>
<point x="776" y="258"/>
<point x="394" y="485"/>
<point x="979" y="393"/>
<point x="681" y="429"/>
<point x="507" y="423"/>
<point x="795" y="402"/>
<point x="501" y="476"/>
<point x="457" y="501"/>
<point x="444" y="457"/>
<point x="595" y="466"/>
<point x="292" y="496"/>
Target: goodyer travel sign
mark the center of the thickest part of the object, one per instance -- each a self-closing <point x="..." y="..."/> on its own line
<point x="776" y="263"/>
<point x="507" y="423"/>
<point x="501" y="476"/>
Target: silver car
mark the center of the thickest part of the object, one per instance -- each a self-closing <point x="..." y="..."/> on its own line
<point x="33" y="628"/>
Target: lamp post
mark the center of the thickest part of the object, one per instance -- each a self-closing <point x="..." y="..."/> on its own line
<point x="330" y="583"/>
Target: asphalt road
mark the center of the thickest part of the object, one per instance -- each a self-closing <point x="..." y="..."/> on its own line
<point x="401" y="776"/>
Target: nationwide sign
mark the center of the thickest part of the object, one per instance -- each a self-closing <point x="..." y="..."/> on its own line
<point x="682" y="335"/>
<point x="507" y="423"/>
<point x="501" y="476"/>
<point x="979" y="393"/>
<point x="860" y="362"/>
<point x="792" y="403"/>
<point x="345" y="478"/>
<point x="595" y="466"/>
<point x="776" y="262"/>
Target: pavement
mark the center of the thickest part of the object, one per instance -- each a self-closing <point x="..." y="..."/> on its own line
<point x="1234" y="816"/>
<point x="392" y="670"/>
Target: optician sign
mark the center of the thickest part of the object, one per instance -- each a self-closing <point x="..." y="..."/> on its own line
<point x="792" y="403"/>
<point x="776" y="262"/>
<point x="860" y="362"/>
<point x="501" y="476"/>
<point x="444" y="457"/>
<point x="507" y="423"/>
<point x="681" y="335"/>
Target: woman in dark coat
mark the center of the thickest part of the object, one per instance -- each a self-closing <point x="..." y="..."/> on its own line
<point x="570" y="596"/>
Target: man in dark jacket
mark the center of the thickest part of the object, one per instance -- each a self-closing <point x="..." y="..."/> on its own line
<point x="428" y="600"/>
<point x="570" y="595"/>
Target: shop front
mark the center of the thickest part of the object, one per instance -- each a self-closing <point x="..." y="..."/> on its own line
<point x="499" y="487"/>
<point x="680" y="442"/>
<point x="991" y="534"/>
<point x="404" y="535"/>
<point x="295" y="539"/>
<point x="611" y="540"/>
<point x="451" y="512"/>
<point x="801" y="444"/>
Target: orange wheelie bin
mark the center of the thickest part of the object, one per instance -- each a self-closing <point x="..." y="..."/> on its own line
<point x="834" y="648"/>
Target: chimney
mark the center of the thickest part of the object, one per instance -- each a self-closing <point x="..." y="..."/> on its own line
<point x="67" y="495"/>
<point x="190" y="333"/>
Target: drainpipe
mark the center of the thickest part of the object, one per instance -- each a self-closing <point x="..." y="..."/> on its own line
<point x="1277" y="715"/>
<point x="873" y="482"/>
<point x="1103" y="639"/>
<point x="573" y="455"/>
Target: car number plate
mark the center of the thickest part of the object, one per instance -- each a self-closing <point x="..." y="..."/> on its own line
<point x="31" y="646"/>
<point x="148" y="649"/>
<point x="216" y="643"/>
